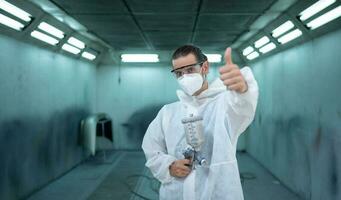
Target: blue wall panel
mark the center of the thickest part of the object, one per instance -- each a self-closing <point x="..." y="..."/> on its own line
<point x="43" y="97"/>
<point x="297" y="130"/>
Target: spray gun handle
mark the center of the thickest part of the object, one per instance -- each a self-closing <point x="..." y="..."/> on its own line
<point x="191" y="160"/>
<point x="189" y="155"/>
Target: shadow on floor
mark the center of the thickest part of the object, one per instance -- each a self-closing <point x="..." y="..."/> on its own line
<point x="125" y="177"/>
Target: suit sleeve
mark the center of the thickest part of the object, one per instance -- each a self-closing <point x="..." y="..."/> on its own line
<point x="154" y="147"/>
<point x="241" y="108"/>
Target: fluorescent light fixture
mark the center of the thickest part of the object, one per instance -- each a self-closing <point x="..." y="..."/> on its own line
<point x="11" y="22"/>
<point x="325" y="18"/>
<point x="247" y="50"/>
<point x="140" y="57"/>
<point x="261" y="42"/>
<point x="51" y="30"/>
<point x="71" y="49"/>
<point x="315" y="8"/>
<point x="290" y="36"/>
<point x="4" y="5"/>
<point x="214" y="58"/>
<point x="252" y="55"/>
<point x="288" y="25"/>
<point x="267" y="48"/>
<point x="75" y="42"/>
<point x="45" y="38"/>
<point x="88" y="55"/>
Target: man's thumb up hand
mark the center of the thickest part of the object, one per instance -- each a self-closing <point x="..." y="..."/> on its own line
<point x="228" y="56"/>
<point x="231" y="75"/>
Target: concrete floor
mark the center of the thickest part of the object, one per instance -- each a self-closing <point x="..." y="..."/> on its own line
<point x="122" y="175"/>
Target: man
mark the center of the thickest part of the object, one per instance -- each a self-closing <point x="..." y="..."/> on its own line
<point x="227" y="107"/>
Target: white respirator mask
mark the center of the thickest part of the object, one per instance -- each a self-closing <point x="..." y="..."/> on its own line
<point x="191" y="83"/>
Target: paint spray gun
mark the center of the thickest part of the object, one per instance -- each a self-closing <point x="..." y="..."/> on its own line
<point x="195" y="138"/>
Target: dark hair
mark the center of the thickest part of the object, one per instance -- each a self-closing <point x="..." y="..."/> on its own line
<point x="188" y="49"/>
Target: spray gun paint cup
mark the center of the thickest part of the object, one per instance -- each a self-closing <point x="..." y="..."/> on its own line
<point x="194" y="138"/>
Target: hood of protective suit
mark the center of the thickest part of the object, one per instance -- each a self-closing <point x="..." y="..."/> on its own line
<point x="214" y="88"/>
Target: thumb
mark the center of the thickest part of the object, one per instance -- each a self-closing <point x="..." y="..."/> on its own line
<point x="228" y="56"/>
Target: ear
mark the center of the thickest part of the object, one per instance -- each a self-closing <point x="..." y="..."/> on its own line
<point x="206" y="67"/>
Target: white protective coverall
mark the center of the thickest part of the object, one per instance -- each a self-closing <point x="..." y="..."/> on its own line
<point x="226" y="114"/>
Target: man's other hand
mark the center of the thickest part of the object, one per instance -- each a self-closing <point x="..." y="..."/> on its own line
<point x="179" y="169"/>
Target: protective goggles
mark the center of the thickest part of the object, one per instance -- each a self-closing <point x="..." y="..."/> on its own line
<point x="187" y="69"/>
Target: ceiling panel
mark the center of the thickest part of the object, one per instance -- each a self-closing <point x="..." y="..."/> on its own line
<point x="218" y="40"/>
<point x="214" y="36"/>
<point x="123" y="41"/>
<point x="92" y="6"/>
<point x="125" y="45"/>
<point x="236" y="6"/>
<point x="169" y="39"/>
<point x="213" y="45"/>
<point x="166" y="24"/>
<point x="108" y="23"/>
<point x="232" y="23"/>
<point x="159" y="6"/>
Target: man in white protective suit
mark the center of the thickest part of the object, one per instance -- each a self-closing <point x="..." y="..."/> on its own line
<point x="227" y="107"/>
